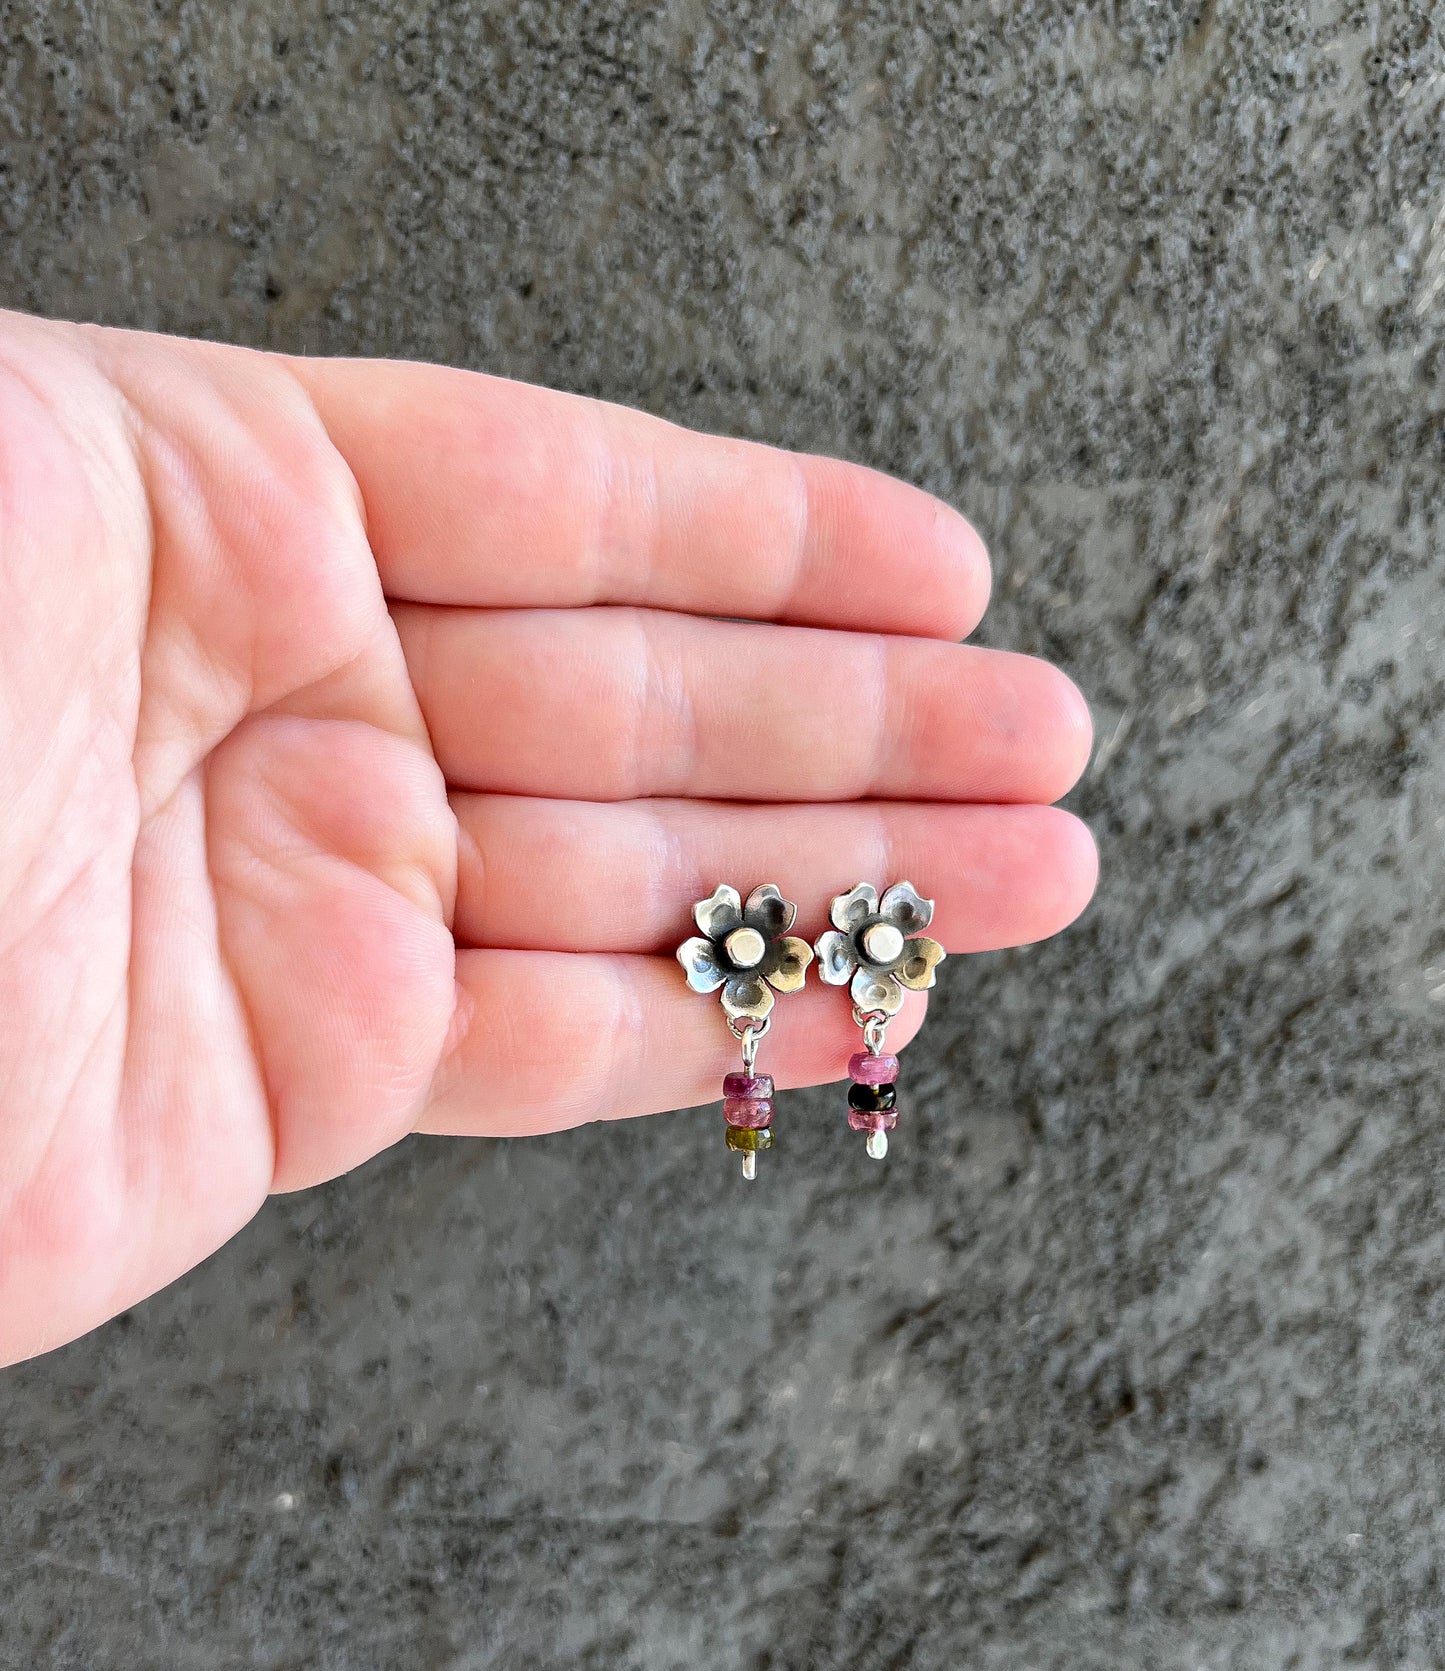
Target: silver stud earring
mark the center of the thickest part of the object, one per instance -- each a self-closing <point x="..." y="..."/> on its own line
<point x="746" y="955"/>
<point x="877" y="948"/>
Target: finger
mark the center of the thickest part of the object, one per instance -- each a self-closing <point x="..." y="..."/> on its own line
<point x="598" y="876"/>
<point x="547" y="1040"/>
<point x="613" y="704"/>
<point x="483" y="491"/>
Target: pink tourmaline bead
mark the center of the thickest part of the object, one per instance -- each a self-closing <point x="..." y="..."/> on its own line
<point x="872" y="1070"/>
<point x="748" y="1085"/>
<point x="751" y="1112"/>
<point x="862" y="1120"/>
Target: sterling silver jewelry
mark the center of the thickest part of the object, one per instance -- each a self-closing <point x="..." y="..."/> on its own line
<point x="746" y="955"/>
<point x="877" y="947"/>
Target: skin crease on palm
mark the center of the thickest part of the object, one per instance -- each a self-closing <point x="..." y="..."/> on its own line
<point x="367" y="731"/>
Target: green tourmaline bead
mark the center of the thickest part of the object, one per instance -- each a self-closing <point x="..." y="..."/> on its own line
<point x="747" y="1139"/>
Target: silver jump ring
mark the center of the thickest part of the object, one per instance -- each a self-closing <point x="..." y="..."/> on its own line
<point x="749" y="1033"/>
<point x="875" y="1028"/>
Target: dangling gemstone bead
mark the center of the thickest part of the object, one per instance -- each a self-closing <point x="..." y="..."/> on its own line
<point x="865" y="1069"/>
<point x="748" y="1110"/>
<point x="872" y="1098"/>
<point x="747" y="1085"/>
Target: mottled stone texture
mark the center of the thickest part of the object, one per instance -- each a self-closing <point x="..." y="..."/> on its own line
<point x="1130" y="1354"/>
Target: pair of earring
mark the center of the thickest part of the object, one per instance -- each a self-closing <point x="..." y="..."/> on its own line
<point x="746" y="953"/>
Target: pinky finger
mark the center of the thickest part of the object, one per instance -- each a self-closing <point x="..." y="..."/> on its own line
<point x="547" y="1040"/>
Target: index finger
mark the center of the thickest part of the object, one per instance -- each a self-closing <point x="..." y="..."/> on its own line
<point x="492" y="493"/>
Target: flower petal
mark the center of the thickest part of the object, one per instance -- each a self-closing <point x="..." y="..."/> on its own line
<point x="747" y="995"/>
<point x="921" y="956"/>
<point x="699" y="960"/>
<point x="836" y="961"/>
<point x="853" y="907"/>
<point x="768" y="912"/>
<point x="905" y="906"/>
<point x="719" y="914"/>
<point x="792" y="966"/>
<point x="875" y="991"/>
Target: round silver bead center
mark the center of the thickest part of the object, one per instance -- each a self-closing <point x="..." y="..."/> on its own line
<point x="745" y="948"/>
<point x="883" y="943"/>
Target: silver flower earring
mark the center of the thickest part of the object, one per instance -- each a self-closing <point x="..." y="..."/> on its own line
<point x="877" y="946"/>
<point x="746" y="954"/>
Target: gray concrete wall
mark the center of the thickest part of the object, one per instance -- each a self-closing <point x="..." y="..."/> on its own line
<point x="1131" y="1355"/>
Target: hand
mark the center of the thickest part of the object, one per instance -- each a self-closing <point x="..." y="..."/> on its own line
<point x="367" y="731"/>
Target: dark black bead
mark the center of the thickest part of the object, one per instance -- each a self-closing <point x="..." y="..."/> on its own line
<point x="872" y="1099"/>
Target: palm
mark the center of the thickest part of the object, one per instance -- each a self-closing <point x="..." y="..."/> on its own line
<point x="368" y="732"/>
